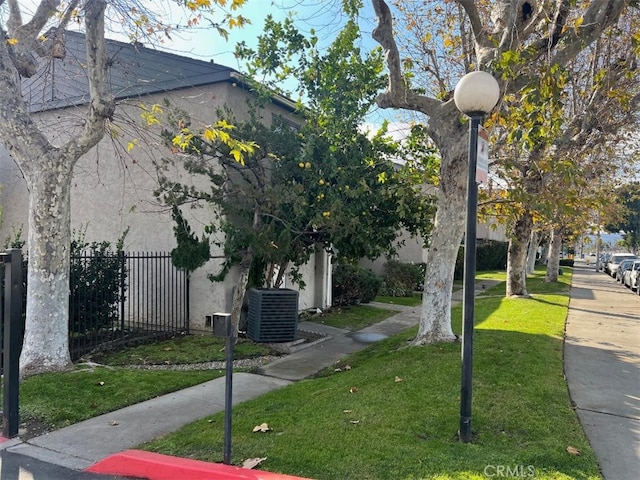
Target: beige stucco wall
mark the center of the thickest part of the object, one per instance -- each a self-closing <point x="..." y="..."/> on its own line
<point x="113" y="190"/>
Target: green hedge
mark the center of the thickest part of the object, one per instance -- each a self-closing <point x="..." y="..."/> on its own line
<point x="490" y="255"/>
<point x="402" y="279"/>
<point x="353" y="285"/>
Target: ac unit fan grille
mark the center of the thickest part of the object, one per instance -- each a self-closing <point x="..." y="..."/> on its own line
<point x="273" y="315"/>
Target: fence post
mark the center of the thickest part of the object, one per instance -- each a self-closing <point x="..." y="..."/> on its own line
<point x="123" y="259"/>
<point x="12" y="341"/>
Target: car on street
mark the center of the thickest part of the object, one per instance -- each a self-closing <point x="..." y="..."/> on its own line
<point x="614" y="261"/>
<point x="623" y="267"/>
<point x="630" y="277"/>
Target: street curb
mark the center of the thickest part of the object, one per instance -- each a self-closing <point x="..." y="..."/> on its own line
<point x="154" y="466"/>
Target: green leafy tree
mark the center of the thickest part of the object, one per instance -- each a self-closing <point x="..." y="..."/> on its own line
<point x="325" y="185"/>
<point x="628" y="196"/>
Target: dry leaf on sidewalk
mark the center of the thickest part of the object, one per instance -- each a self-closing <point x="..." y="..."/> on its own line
<point x="261" y="428"/>
<point x="113" y="423"/>
<point x="253" y="462"/>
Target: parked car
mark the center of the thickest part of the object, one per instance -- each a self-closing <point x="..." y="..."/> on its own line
<point x="630" y="277"/>
<point x="623" y="267"/>
<point x="614" y="261"/>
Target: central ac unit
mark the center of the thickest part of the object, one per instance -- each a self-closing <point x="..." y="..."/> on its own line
<point x="273" y="314"/>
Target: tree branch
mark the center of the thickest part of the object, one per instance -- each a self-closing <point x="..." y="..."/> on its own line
<point x="397" y="95"/>
<point x="102" y="105"/>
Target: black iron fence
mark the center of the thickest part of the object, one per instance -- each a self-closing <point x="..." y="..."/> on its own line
<point x="119" y="299"/>
<point x="144" y="298"/>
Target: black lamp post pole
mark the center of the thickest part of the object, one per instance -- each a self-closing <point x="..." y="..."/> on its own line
<point x="469" y="282"/>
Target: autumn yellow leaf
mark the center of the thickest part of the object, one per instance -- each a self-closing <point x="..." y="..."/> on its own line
<point x="263" y="427"/>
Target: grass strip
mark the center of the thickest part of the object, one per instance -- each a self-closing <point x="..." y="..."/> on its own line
<point x="354" y="317"/>
<point x="394" y="414"/>
<point x="182" y="349"/>
<point x="54" y="400"/>
<point x="412" y="301"/>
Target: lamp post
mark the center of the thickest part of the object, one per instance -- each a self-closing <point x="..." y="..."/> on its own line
<point x="475" y="95"/>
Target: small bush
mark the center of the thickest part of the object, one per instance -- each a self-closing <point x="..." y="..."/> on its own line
<point x="353" y="285"/>
<point x="401" y="279"/>
<point x="566" y="262"/>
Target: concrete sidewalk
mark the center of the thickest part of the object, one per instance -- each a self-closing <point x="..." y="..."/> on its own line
<point x="602" y="366"/>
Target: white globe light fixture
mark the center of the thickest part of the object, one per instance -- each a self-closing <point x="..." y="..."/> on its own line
<point x="475" y="95"/>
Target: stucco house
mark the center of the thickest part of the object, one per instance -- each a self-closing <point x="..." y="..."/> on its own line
<point x="113" y="184"/>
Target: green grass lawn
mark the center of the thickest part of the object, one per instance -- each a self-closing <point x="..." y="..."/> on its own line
<point x="352" y="318"/>
<point x="183" y="349"/>
<point x="54" y="400"/>
<point x="395" y="413"/>
<point x="412" y="301"/>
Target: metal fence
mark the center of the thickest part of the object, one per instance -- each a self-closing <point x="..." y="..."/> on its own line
<point x="152" y="302"/>
<point x="122" y="299"/>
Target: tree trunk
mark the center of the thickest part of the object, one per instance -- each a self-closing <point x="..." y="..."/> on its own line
<point x="239" y="292"/>
<point x="435" y="318"/>
<point x="46" y="340"/>
<point x="517" y="256"/>
<point x="444" y="243"/>
<point x="48" y="173"/>
<point x="553" y="263"/>
<point x="534" y="243"/>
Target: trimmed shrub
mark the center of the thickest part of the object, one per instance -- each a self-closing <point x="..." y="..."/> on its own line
<point x="353" y="285"/>
<point x="566" y="262"/>
<point x="401" y="279"/>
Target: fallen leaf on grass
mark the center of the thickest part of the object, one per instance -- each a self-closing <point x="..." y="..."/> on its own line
<point x="353" y="389"/>
<point x="347" y="411"/>
<point x="355" y="422"/>
<point x="261" y="428"/>
<point x="253" y="462"/>
<point x="347" y="367"/>
<point x="398" y="379"/>
<point x="573" y="450"/>
<point x="167" y="349"/>
<point x="101" y="384"/>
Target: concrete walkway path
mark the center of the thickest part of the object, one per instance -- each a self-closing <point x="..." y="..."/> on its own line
<point x="602" y="366"/>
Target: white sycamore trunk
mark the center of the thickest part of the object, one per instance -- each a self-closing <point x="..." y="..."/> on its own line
<point x="435" y="318"/>
<point x="517" y="257"/>
<point x="46" y="346"/>
<point x="553" y="263"/>
<point x="534" y="243"/>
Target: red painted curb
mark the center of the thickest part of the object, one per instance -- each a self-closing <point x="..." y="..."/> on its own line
<point x="154" y="466"/>
<point x="3" y="439"/>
